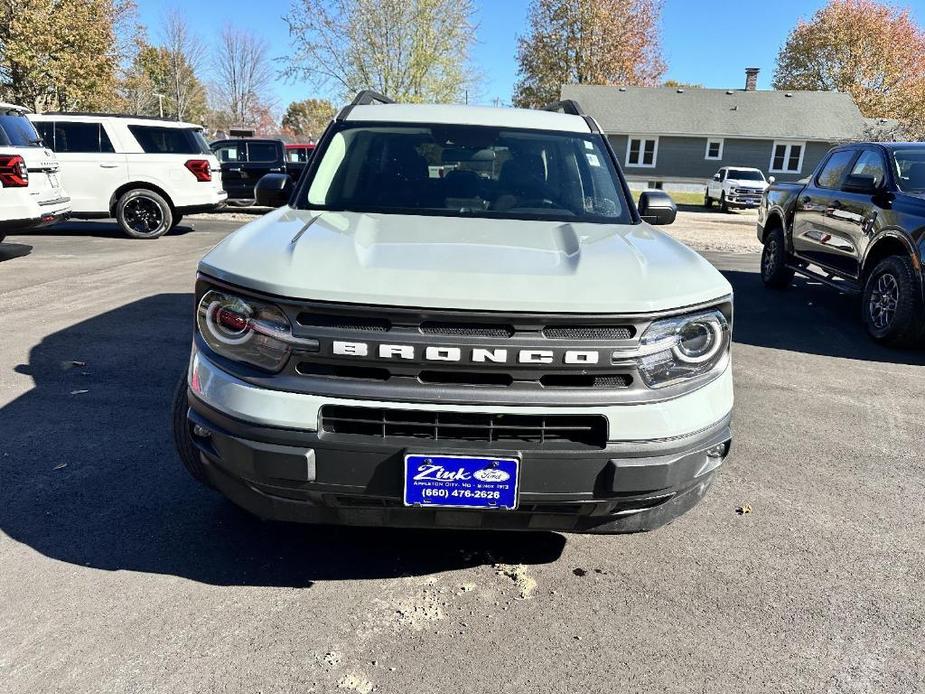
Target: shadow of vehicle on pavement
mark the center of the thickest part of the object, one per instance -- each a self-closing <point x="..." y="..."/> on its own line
<point x="90" y="475"/>
<point x="8" y="251"/>
<point x="809" y="317"/>
<point x="104" y="228"/>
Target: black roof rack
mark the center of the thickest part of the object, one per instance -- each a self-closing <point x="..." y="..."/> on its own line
<point x="569" y="106"/>
<point x="368" y="96"/>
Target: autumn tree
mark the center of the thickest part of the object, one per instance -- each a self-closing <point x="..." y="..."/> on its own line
<point x="61" y="54"/>
<point x="587" y="42"/>
<point x="873" y="51"/>
<point x="244" y="76"/>
<point x="309" y="117"/>
<point x="410" y="50"/>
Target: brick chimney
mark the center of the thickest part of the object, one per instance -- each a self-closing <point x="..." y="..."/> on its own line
<point x="751" y="79"/>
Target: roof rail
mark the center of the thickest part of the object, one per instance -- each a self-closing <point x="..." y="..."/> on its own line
<point x="102" y="114"/>
<point x="368" y="96"/>
<point x="569" y="106"/>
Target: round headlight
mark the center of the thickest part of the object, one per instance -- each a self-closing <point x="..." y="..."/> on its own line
<point x="699" y="340"/>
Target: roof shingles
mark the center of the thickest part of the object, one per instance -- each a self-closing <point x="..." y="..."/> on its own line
<point x="804" y="115"/>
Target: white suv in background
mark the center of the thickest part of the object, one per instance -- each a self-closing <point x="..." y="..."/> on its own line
<point x="30" y="189"/>
<point x="145" y="172"/>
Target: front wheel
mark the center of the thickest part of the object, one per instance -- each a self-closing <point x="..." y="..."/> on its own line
<point x="892" y="304"/>
<point x="707" y="201"/>
<point x="143" y="214"/>
<point x="774" y="271"/>
<point x="722" y="202"/>
<point x="183" y="435"/>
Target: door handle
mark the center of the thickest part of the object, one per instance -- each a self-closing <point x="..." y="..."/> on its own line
<point x="109" y="166"/>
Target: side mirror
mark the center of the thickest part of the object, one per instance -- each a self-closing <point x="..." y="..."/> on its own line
<point x="858" y="183"/>
<point x="273" y="190"/>
<point x="715" y="177"/>
<point x="771" y="180"/>
<point x="657" y="207"/>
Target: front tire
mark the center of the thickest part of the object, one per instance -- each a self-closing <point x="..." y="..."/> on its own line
<point x="707" y="201"/>
<point x="177" y="218"/>
<point x="892" y="303"/>
<point x="722" y="203"/>
<point x="143" y="214"/>
<point x="774" y="271"/>
<point x="183" y="435"/>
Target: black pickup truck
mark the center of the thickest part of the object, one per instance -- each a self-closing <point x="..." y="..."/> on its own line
<point x="858" y="224"/>
<point x="244" y="162"/>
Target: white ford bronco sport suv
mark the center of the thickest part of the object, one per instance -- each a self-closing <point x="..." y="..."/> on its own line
<point x="145" y="172"/>
<point x="459" y="320"/>
<point x="30" y="184"/>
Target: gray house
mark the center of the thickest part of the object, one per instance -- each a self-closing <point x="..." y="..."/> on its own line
<point x="682" y="136"/>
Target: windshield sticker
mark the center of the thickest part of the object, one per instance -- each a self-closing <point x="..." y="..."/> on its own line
<point x="593" y="160"/>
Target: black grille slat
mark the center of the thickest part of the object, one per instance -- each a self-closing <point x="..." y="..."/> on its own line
<point x="589" y="332"/>
<point x="563" y="430"/>
<point x="360" y="323"/>
<point x="466" y="329"/>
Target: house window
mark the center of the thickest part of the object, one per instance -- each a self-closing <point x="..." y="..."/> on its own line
<point x="787" y="157"/>
<point x="641" y="151"/>
<point x="714" y="149"/>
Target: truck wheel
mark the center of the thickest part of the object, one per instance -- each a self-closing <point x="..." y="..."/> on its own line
<point x="774" y="271"/>
<point x="183" y="436"/>
<point x="722" y="202"/>
<point x="707" y="201"/>
<point x="143" y="214"/>
<point x="892" y="304"/>
<point x="177" y="218"/>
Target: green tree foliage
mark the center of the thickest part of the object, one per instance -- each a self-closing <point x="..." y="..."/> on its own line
<point x="871" y="50"/>
<point x="60" y="54"/>
<point x="410" y="50"/>
<point x="308" y="118"/>
<point x="156" y="70"/>
<point x="588" y="42"/>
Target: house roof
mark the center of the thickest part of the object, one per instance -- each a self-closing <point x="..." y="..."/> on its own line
<point x="803" y="115"/>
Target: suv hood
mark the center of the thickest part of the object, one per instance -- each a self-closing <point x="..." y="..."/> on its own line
<point x="464" y="263"/>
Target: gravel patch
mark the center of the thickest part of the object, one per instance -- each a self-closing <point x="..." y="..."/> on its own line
<point x="733" y="232"/>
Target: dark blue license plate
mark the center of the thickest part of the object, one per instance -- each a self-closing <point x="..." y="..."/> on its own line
<point x="457" y="481"/>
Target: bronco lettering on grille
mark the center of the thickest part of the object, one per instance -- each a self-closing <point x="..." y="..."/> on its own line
<point x="481" y="355"/>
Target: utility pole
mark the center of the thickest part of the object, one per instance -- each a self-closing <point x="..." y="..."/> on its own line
<point x="160" y="103"/>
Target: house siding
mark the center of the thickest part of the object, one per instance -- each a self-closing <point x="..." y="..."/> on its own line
<point x="681" y="159"/>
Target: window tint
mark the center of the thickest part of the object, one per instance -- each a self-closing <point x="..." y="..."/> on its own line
<point x="870" y="163"/>
<point x="81" y="137"/>
<point x="47" y="131"/>
<point x="16" y="130"/>
<point x="160" y="140"/>
<point x="230" y="153"/>
<point x="910" y="168"/>
<point x="471" y="171"/>
<point x="834" y="170"/>
<point x="745" y="175"/>
<point x="262" y="152"/>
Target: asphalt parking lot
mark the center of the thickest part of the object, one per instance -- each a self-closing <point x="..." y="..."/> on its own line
<point x="119" y="574"/>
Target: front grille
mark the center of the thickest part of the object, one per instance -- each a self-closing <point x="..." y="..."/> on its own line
<point x="466" y="329"/>
<point x="586" y="381"/>
<point x="554" y="431"/>
<point x="360" y="323"/>
<point x="589" y="332"/>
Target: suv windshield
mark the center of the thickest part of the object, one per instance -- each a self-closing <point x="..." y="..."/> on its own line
<point x="910" y="168"/>
<point x="455" y="170"/>
<point x="17" y="131"/>
<point x="166" y="140"/>
<point x="745" y="175"/>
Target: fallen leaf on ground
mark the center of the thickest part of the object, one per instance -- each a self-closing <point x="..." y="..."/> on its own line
<point x="743" y="509"/>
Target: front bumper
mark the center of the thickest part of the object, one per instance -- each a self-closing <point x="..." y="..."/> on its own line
<point x="302" y="474"/>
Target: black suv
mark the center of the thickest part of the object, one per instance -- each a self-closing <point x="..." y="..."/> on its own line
<point x="246" y="161"/>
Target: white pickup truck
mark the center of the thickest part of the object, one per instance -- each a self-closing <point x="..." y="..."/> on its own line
<point x="736" y="187"/>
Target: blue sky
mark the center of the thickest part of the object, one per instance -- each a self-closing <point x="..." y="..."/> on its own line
<point x="709" y="43"/>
